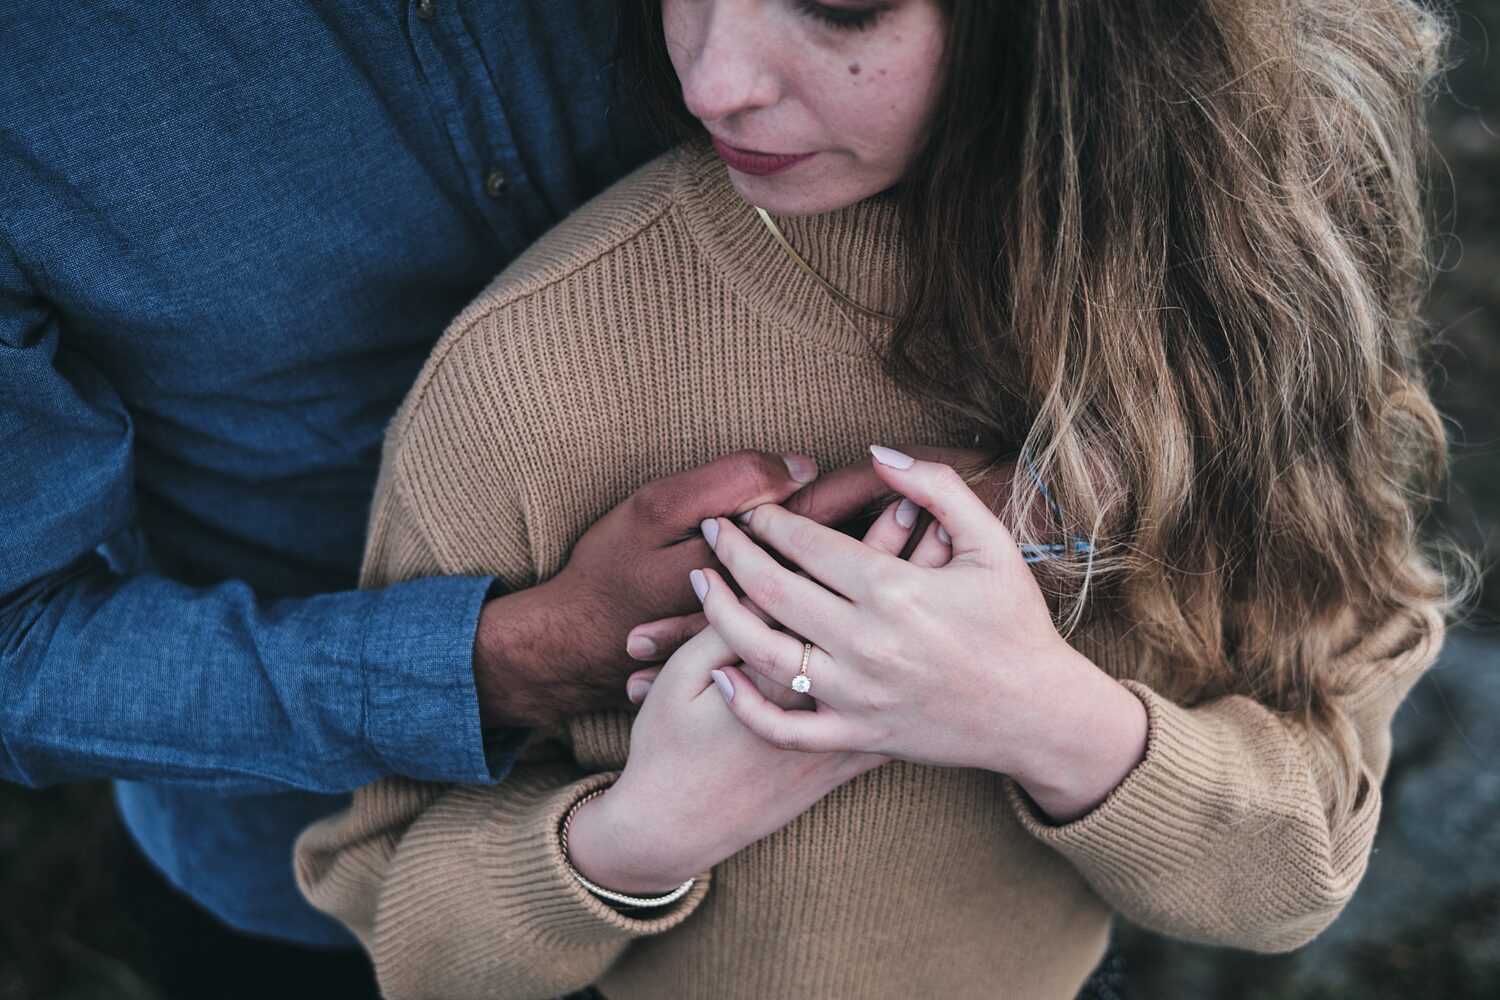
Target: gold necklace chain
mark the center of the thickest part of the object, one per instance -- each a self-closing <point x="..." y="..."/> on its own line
<point x="824" y="282"/>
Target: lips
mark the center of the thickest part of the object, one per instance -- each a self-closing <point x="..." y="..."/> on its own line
<point x="757" y="164"/>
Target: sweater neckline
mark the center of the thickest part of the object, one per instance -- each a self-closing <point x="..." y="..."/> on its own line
<point x="857" y="249"/>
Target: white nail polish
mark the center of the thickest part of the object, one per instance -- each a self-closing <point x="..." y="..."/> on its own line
<point x="891" y="457"/>
<point x="710" y="528"/>
<point x="943" y="535"/>
<point x="722" y="681"/>
<point x="906" y="513"/>
<point x="699" y="582"/>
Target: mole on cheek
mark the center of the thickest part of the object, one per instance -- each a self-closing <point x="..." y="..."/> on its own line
<point x="854" y="69"/>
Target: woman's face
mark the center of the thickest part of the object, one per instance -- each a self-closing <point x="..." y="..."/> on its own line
<point x="813" y="104"/>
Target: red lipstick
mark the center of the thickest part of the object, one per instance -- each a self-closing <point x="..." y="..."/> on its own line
<point x="748" y="161"/>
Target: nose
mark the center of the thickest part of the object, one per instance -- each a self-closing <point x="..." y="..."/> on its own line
<point x="729" y="73"/>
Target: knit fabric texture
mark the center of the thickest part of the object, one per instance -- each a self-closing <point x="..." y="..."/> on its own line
<point x="659" y="328"/>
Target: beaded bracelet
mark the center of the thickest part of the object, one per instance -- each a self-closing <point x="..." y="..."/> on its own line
<point x="609" y="895"/>
<point x="1032" y="553"/>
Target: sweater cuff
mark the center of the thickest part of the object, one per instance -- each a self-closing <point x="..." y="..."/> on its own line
<point x="520" y="851"/>
<point x="1156" y="820"/>
<point x="421" y="709"/>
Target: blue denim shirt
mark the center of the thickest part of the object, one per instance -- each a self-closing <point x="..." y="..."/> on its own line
<point x="229" y="235"/>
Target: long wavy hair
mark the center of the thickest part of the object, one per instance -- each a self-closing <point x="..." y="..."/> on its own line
<point x="1175" y="250"/>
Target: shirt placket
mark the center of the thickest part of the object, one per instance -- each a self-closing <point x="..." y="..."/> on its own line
<point x="466" y="97"/>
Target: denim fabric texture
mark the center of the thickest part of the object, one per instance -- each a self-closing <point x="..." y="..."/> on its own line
<point x="229" y="236"/>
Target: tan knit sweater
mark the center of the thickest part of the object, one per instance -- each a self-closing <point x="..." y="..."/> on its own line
<point x="659" y="328"/>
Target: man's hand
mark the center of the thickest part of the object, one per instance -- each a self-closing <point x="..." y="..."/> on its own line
<point x="558" y="648"/>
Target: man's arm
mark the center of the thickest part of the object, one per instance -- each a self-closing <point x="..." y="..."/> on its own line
<point x="139" y="677"/>
<point x="104" y="676"/>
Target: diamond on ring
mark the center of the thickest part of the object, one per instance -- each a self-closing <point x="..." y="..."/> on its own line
<point x="803" y="683"/>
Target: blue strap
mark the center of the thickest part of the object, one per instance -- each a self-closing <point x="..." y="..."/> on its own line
<point x="1037" y="553"/>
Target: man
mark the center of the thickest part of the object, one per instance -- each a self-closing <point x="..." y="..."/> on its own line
<point x="229" y="236"/>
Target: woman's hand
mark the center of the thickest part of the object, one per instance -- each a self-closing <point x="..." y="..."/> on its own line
<point x="950" y="658"/>
<point x="839" y="498"/>
<point x="697" y="786"/>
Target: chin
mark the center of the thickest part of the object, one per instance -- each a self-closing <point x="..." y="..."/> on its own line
<point x="798" y="193"/>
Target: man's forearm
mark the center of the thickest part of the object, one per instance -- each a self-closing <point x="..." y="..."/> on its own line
<point x="511" y="652"/>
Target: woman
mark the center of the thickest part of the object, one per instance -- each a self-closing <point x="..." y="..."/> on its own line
<point x="1172" y="248"/>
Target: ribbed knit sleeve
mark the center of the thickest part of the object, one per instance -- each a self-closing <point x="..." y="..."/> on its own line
<point x="463" y="891"/>
<point x="1223" y="833"/>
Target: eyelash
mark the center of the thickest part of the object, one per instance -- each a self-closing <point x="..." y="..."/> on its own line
<point x="840" y="18"/>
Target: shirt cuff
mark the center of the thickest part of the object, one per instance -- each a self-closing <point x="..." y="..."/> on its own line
<point x="1155" y="822"/>
<point x="421" y="710"/>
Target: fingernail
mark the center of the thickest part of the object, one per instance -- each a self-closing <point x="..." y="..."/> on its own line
<point x="710" y="528"/>
<point x="943" y="535"/>
<point x="743" y="520"/>
<point x="722" y="680"/>
<point x="640" y="647"/>
<point x="906" y="513"/>
<point x="890" y="456"/>
<point x="700" y="583"/>
<point x="802" y="468"/>
<point x="636" y="690"/>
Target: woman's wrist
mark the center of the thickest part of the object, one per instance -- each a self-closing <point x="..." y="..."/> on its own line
<point x="1093" y="735"/>
<point x="603" y="846"/>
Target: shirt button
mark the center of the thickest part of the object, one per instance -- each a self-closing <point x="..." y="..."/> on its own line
<point x="496" y="183"/>
<point x="426" y="8"/>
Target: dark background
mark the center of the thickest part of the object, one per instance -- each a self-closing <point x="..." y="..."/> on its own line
<point x="1426" y="920"/>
